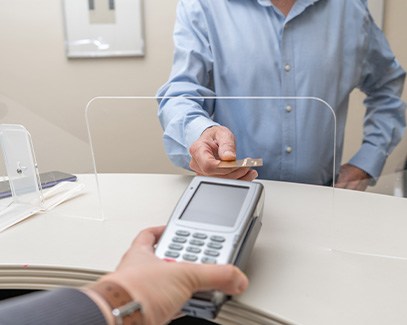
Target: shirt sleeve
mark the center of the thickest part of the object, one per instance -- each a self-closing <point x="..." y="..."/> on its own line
<point x="184" y="112"/>
<point x="384" y="123"/>
<point x="61" y="306"/>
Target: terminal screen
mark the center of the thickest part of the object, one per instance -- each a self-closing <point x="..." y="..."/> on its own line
<point x="215" y="204"/>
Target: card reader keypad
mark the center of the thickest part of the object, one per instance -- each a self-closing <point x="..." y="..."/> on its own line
<point x="196" y="246"/>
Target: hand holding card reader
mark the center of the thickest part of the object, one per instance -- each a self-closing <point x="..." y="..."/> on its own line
<point x="215" y="221"/>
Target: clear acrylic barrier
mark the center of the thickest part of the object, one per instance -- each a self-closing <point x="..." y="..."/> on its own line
<point x="393" y="184"/>
<point x="373" y="224"/>
<point x="125" y="134"/>
<point x="126" y="137"/>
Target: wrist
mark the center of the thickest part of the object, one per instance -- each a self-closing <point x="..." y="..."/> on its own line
<point x="117" y="305"/>
<point x="101" y="303"/>
<point x="210" y="129"/>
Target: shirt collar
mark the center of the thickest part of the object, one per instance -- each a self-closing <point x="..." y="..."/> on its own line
<point x="298" y="8"/>
<point x="303" y="3"/>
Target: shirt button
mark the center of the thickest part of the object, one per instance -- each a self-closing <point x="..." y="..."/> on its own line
<point x="287" y="67"/>
<point x="288" y="108"/>
<point x="288" y="149"/>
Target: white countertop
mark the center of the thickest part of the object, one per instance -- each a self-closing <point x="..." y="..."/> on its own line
<point x="323" y="256"/>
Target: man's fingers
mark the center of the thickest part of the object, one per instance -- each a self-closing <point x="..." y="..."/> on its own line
<point x="352" y="178"/>
<point x="226" y="278"/>
<point x="250" y="176"/>
<point x="148" y="237"/>
<point x="227" y="151"/>
<point x="340" y="183"/>
<point x="204" y="157"/>
<point x="227" y="144"/>
<point x="215" y="143"/>
<point x="209" y="167"/>
<point x="204" y="166"/>
<point x="243" y="173"/>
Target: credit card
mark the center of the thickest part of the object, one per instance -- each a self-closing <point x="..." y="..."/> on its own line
<point x="246" y="162"/>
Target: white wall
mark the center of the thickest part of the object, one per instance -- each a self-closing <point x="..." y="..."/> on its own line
<point x="43" y="90"/>
<point x="47" y="93"/>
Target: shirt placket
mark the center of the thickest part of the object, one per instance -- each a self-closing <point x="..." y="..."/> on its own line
<point x="289" y="150"/>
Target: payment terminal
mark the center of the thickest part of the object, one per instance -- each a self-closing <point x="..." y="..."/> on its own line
<point x="215" y="221"/>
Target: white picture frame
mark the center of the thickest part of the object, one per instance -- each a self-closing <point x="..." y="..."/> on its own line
<point x="103" y="28"/>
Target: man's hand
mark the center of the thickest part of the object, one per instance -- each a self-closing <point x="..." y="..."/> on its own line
<point x="163" y="287"/>
<point x="353" y="178"/>
<point x="215" y="144"/>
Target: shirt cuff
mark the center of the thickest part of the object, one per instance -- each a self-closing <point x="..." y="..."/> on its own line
<point x="370" y="159"/>
<point x="195" y="129"/>
<point x="60" y="306"/>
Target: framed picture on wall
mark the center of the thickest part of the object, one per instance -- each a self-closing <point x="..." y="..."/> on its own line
<point x="103" y="28"/>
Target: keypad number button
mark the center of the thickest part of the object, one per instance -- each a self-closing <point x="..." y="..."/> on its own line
<point x="212" y="253"/>
<point x="199" y="235"/>
<point x="176" y="247"/>
<point x="218" y="239"/>
<point x="193" y="249"/>
<point x="179" y="240"/>
<point x="196" y="242"/>
<point x="208" y="260"/>
<point x="171" y="254"/>
<point x="182" y="233"/>
<point x="215" y="245"/>
<point x="190" y="257"/>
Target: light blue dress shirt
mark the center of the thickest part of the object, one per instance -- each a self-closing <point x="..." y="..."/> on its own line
<point x="322" y="49"/>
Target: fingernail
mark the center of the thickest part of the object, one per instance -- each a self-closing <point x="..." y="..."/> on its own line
<point x="242" y="285"/>
<point x="229" y="153"/>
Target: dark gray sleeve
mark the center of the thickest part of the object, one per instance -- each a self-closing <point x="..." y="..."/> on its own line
<point x="61" y="306"/>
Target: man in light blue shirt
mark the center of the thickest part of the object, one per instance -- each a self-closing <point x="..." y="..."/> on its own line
<point x="287" y="48"/>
